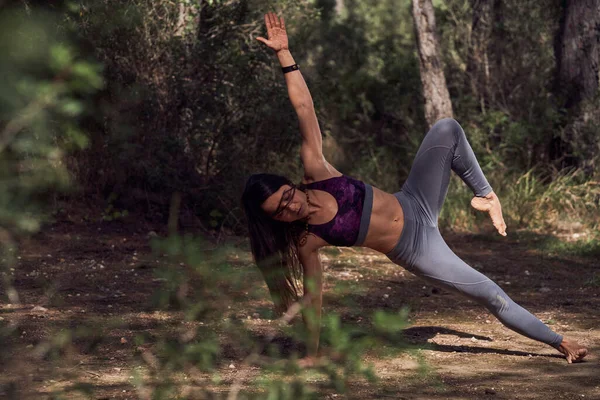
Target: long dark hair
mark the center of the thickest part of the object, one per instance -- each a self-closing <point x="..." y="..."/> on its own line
<point x="274" y="243"/>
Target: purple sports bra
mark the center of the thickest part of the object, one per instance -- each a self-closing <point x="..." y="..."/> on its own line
<point x="355" y="200"/>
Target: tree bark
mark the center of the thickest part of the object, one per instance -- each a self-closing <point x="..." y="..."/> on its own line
<point x="577" y="53"/>
<point x="435" y="91"/>
<point x="577" y="49"/>
<point x="478" y="66"/>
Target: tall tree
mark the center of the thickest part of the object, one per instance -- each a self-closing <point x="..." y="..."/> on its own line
<point x="478" y="63"/>
<point x="435" y="91"/>
<point x="577" y="51"/>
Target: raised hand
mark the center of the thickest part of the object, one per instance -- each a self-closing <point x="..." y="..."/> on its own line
<point x="277" y="36"/>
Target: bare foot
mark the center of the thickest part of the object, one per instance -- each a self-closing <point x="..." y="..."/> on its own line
<point x="572" y="350"/>
<point x="491" y="204"/>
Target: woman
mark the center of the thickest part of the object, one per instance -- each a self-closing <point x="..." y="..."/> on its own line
<point x="288" y="223"/>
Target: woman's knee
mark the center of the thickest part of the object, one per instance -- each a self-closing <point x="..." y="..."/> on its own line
<point x="488" y="294"/>
<point x="494" y="298"/>
<point x="448" y="127"/>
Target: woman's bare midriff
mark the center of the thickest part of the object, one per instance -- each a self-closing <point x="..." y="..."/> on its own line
<point x="387" y="222"/>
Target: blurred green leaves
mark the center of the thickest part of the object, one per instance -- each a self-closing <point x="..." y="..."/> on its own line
<point x="61" y="57"/>
<point x="45" y="85"/>
<point x="200" y="280"/>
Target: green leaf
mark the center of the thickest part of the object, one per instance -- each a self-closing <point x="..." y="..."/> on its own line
<point x="71" y="107"/>
<point x="76" y="137"/>
<point x="61" y="57"/>
<point x="390" y="323"/>
<point x="87" y="76"/>
<point x="73" y="6"/>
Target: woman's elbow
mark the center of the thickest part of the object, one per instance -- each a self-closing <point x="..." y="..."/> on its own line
<point x="303" y="105"/>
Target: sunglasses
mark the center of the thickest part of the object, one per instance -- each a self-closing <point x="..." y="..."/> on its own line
<point x="286" y="198"/>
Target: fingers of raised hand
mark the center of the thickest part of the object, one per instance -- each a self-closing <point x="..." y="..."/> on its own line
<point x="271" y="21"/>
<point x="268" y="22"/>
<point x="275" y="20"/>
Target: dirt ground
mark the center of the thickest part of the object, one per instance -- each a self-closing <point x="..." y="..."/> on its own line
<point x="84" y="274"/>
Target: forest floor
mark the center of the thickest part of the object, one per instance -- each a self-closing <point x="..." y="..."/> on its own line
<point x="102" y="275"/>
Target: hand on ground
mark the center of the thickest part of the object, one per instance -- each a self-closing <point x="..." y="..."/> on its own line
<point x="572" y="350"/>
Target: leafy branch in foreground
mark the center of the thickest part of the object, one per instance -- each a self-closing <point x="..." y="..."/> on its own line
<point x="208" y="287"/>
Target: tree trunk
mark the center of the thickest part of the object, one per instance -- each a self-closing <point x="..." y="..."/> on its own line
<point x="577" y="50"/>
<point x="478" y="68"/>
<point x="435" y="91"/>
<point x="497" y="48"/>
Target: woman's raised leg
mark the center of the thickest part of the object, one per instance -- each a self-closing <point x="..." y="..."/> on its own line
<point x="446" y="148"/>
<point x="425" y="253"/>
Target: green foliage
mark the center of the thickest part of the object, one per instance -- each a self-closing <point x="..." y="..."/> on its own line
<point x="368" y="76"/>
<point x="194" y="103"/>
<point x="529" y="200"/>
<point x="112" y="213"/>
<point x="183" y="114"/>
<point x="43" y="86"/>
<point x="589" y="247"/>
<point x="207" y="307"/>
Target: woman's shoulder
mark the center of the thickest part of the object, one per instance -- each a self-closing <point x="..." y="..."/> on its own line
<point x="328" y="172"/>
<point x="324" y="172"/>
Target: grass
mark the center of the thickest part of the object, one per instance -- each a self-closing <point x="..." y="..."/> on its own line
<point x="582" y="248"/>
<point x="532" y="200"/>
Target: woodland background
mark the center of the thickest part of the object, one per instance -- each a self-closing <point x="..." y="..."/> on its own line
<point x="153" y="113"/>
<point x="165" y="97"/>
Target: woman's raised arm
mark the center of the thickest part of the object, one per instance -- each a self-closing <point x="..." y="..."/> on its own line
<point x="311" y="152"/>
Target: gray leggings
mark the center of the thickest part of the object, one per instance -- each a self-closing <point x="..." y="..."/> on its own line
<point x="422" y="250"/>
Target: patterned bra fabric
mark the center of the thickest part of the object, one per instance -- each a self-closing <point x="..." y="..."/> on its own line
<point x="344" y="228"/>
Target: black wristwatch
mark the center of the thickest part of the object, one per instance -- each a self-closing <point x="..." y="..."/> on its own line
<point x="291" y="68"/>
